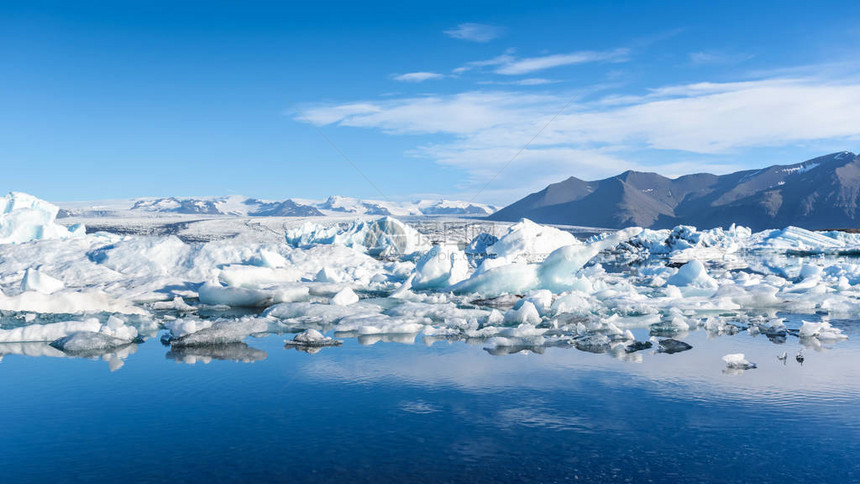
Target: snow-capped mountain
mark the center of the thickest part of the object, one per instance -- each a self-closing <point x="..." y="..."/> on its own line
<point x="236" y="205"/>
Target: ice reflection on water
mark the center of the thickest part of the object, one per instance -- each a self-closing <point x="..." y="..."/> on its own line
<point x="434" y="411"/>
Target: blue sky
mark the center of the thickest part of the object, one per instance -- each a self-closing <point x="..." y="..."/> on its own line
<point x="428" y="99"/>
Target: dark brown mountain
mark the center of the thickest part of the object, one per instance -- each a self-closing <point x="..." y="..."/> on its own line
<point x="818" y="193"/>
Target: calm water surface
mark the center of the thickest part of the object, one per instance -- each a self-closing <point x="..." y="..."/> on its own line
<point x="446" y="412"/>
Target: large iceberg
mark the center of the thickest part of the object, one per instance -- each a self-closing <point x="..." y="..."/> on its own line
<point x="24" y="218"/>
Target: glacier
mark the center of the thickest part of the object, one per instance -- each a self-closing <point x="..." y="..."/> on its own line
<point x="380" y="279"/>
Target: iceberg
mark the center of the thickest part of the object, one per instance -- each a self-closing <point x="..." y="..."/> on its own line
<point x="385" y="236"/>
<point x="24" y="218"/>
<point x="35" y="280"/>
<point x="312" y="338"/>
<point x="114" y="329"/>
<point x="440" y="267"/>
<point x="198" y="332"/>
<point x="344" y="297"/>
<point x="737" y="361"/>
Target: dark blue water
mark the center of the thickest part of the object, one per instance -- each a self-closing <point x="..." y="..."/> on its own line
<point x="447" y="412"/>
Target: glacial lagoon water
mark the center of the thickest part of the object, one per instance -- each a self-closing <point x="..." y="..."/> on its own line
<point x="445" y="412"/>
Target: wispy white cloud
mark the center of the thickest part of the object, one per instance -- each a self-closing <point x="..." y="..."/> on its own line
<point x="533" y="64"/>
<point x="509" y="64"/>
<point x="530" y="81"/>
<point x="705" y="58"/>
<point x="481" y="130"/>
<point x="418" y="76"/>
<point x="475" y="32"/>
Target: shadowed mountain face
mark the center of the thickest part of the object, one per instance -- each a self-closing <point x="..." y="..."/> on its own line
<point x="819" y="193"/>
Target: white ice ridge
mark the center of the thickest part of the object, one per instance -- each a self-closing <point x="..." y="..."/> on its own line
<point x="24" y="218"/>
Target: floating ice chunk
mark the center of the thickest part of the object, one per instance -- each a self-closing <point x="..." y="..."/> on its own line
<point x="572" y="303"/>
<point x="737" y="361"/>
<point x="635" y="346"/>
<point x="253" y="277"/>
<point x="328" y="274"/>
<point x="344" y="297"/>
<point x="756" y="296"/>
<point x="368" y="324"/>
<point x="207" y="332"/>
<point x="671" y="346"/>
<point x="442" y="266"/>
<point x="86" y="342"/>
<point x="384" y="236"/>
<point x="177" y="304"/>
<point x="114" y="328"/>
<point x="35" y="280"/>
<point x="269" y="258"/>
<point x="542" y="300"/>
<point x="558" y="272"/>
<point x="506" y="279"/>
<point x="526" y="314"/>
<point x="495" y="318"/>
<point x="144" y="256"/>
<point x="66" y="302"/>
<point x="216" y="295"/>
<point x="479" y="245"/>
<point x="693" y="274"/>
<point x="808" y="271"/>
<point x="822" y="331"/>
<point x="313" y="338"/>
<point x="530" y="241"/>
<point x="24" y="218"/>
<point x="798" y="239"/>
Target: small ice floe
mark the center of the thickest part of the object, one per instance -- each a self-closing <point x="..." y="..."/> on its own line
<point x="311" y="339"/>
<point x="737" y="361"/>
<point x="344" y="297"/>
<point x="671" y="346"/>
<point x="176" y="304"/>
<point x="52" y="332"/>
<point x="635" y="346"/>
<point x="822" y="331"/>
<point x="199" y="332"/>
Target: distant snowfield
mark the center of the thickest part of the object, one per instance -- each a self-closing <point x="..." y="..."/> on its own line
<point x="236" y="205"/>
<point x="211" y="279"/>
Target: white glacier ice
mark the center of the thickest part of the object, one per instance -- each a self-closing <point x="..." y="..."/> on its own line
<point x="536" y="286"/>
<point x="35" y="280"/>
<point x="24" y="218"/>
<point x="344" y="297"/>
<point x="383" y="236"/>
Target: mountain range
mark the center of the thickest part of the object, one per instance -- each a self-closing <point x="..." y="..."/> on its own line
<point x="236" y="205"/>
<point x="819" y="193"/>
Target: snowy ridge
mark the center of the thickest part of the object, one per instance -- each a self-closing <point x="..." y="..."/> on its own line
<point x="236" y="205"/>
